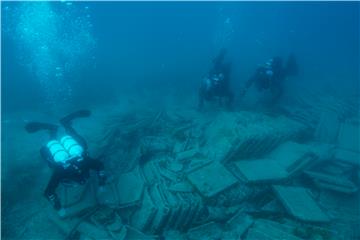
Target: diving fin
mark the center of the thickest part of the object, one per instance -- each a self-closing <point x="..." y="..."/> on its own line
<point x="32" y="127"/>
<point x="78" y="114"/>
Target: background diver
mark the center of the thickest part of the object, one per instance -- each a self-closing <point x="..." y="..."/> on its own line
<point x="67" y="155"/>
<point x="271" y="76"/>
<point x="216" y="85"/>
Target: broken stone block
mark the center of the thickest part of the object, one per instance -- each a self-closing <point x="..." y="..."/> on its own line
<point x="92" y="231"/>
<point x="76" y="197"/>
<point x="130" y="187"/>
<point x="186" y="154"/>
<point x="300" y="204"/>
<point x="332" y="182"/>
<point x="163" y="211"/>
<point x="347" y="156"/>
<point x="172" y="202"/>
<point x="156" y="144"/>
<point x="269" y="230"/>
<point x="349" y="135"/>
<point x="183" y="186"/>
<point x="211" y="179"/>
<point x="142" y="217"/>
<point x="151" y="172"/>
<point x="292" y="156"/>
<point x="260" y="170"/>
<point x="132" y="233"/>
<point x="236" y="194"/>
<point x="237" y="225"/>
<point x="172" y="234"/>
<point x="108" y="195"/>
<point x="207" y="231"/>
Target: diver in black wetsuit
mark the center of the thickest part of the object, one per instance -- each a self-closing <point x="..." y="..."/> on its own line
<point x="217" y="83"/>
<point x="271" y="76"/>
<point x="68" y="157"/>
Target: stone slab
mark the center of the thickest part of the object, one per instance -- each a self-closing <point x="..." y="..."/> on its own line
<point x="212" y="179"/>
<point x="300" y="204"/>
<point x="261" y="170"/>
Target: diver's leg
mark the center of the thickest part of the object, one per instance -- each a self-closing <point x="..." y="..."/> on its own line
<point x="78" y="114"/>
<point x="98" y="166"/>
<point x="33" y="127"/>
<point x="67" y="123"/>
<point x="50" y="191"/>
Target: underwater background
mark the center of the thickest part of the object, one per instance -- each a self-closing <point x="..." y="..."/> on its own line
<point x="113" y="57"/>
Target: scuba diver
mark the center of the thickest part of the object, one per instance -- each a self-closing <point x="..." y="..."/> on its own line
<point x="67" y="154"/>
<point x="216" y="84"/>
<point x="271" y="76"/>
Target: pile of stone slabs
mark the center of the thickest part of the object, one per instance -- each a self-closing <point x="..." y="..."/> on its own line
<point x="299" y="203"/>
<point x="261" y="170"/>
<point x="211" y="179"/>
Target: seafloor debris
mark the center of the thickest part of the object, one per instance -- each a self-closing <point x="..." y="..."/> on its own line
<point x="185" y="176"/>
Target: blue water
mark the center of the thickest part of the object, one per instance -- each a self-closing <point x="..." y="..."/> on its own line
<point x="81" y="51"/>
<point x="61" y="56"/>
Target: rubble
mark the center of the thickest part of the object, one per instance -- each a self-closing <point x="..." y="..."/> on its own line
<point x="213" y="178"/>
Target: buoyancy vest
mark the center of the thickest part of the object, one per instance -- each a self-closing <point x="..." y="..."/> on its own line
<point x="64" y="151"/>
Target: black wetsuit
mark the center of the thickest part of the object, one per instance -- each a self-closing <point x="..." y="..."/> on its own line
<point x="264" y="81"/>
<point x="78" y="171"/>
<point x="210" y="89"/>
<point x="272" y="76"/>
